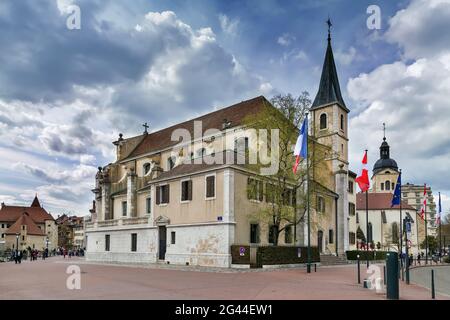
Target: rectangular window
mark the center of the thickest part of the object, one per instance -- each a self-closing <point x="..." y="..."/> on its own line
<point x="357" y="217"/>
<point x="352" y="237"/>
<point x="272" y="232"/>
<point x="330" y="236"/>
<point x="288" y="234"/>
<point x="3" y="235"/>
<point x="351" y="187"/>
<point x="186" y="190"/>
<point x="270" y="193"/>
<point x="23" y="227"/>
<point x="383" y="216"/>
<point x="133" y="242"/>
<point x="210" y="186"/>
<point x="320" y="204"/>
<point x="288" y="197"/>
<point x="124" y="208"/>
<point x="255" y="189"/>
<point x="162" y="194"/>
<point x="382" y="186"/>
<point x="254" y="233"/>
<point x="148" y="205"/>
<point x="107" y="239"/>
<point x="23" y="238"/>
<point x="172" y="237"/>
<point x="3" y="225"/>
<point x="351" y="209"/>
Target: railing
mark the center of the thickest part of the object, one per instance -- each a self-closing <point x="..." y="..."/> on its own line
<point x="107" y="223"/>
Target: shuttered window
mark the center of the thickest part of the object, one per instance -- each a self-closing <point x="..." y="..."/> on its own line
<point x="162" y="194"/>
<point x="210" y="187"/>
<point x="186" y="190"/>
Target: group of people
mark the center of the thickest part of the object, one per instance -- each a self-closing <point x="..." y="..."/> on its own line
<point x="70" y="253"/>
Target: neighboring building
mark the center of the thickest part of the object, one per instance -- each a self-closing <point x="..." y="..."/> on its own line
<point x="384" y="226"/>
<point x="413" y="195"/>
<point x="27" y="227"/>
<point x="150" y="205"/>
<point x="70" y="231"/>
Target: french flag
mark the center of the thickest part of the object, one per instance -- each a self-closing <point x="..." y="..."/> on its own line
<point x="301" y="147"/>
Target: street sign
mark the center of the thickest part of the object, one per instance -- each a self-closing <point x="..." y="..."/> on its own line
<point x="241" y="251"/>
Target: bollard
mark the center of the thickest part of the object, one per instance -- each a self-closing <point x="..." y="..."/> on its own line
<point x="392" y="276"/>
<point x="315" y="267"/>
<point x="433" y="293"/>
<point x="384" y="274"/>
<point x="359" y="270"/>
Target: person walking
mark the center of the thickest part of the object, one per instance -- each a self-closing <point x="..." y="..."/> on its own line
<point x="16" y="256"/>
<point x="418" y="258"/>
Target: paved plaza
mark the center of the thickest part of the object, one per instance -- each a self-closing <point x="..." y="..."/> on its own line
<point x="47" y="280"/>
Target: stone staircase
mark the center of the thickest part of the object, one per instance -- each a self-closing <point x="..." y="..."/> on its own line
<point x="331" y="260"/>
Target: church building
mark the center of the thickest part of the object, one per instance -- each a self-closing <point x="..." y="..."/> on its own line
<point x="154" y="206"/>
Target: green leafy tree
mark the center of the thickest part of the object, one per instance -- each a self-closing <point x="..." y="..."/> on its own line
<point x="432" y="244"/>
<point x="285" y="191"/>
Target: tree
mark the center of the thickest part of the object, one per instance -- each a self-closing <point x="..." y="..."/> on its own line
<point x="432" y="244"/>
<point x="286" y="192"/>
<point x="360" y="235"/>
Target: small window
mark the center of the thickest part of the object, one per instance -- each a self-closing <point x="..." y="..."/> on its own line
<point x="3" y="225"/>
<point x="323" y="121"/>
<point x="124" y="208"/>
<point x="172" y="237"/>
<point x="288" y="234"/>
<point x="342" y="122"/>
<point x="171" y="163"/>
<point x="351" y="209"/>
<point x="270" y="193"/>
<point x="352" y="237"/>
<point x="387" y="185"/>
<point x="320" y="204"/>
<point x="255" y="189"/>
<point x="148" y="205"/>
<point x="357" y="217"/>
<point x="210" y="186"/>
<point x="382" y="186"/>
<point x="393" y="186"/>
<point x="272" y="233"/>
<point x="186" y="190"/>
<point x="162" y="194"/>
<point x="254" y="233"/>
<point x="133" y="242"/>
<point x="23" y="227"/>
<point x="107" y="239"/>
<point x="146" y="168"/>
<point x="330" y="236"/>
<point x="3" y="235"/>
<point x="351" y="187"/>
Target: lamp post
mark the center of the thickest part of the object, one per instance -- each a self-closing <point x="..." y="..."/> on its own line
<point x="406" y="230"/>
<point x="46" y="247"/>
<point x="17" y="242"/>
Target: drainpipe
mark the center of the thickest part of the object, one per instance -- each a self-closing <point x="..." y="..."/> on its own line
<point x="337" y="228"/>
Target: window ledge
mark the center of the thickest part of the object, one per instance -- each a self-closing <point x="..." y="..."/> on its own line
<point x="209" y="199"/>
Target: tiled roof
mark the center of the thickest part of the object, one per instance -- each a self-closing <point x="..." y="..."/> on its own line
<point x="379" y="201"/>
<point x="25" y="220"/>
<point x="234" y="114"/>
<point x="12" y="213"/>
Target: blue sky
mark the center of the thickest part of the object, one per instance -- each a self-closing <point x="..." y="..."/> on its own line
<point x="66" y="94"/>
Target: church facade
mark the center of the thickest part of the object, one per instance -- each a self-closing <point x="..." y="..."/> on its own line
<point x="151" y="205"/>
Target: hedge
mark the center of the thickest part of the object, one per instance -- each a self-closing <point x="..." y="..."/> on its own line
<point x="366" y="255"/>
<point x="271" y="255"/>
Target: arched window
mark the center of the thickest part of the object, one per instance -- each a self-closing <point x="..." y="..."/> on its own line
<point x="146" y="168"/>
<point x="388" y="185"/>
<point x="342" y="122"/>
<point x="394" y="232"/>
<point x="323" y="121"/>
<point x="171" y="162"/>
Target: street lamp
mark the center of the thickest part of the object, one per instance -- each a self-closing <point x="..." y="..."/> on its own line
<point x="47" y="247"/>
<point x="17" y="242"/>
<point x="406" y="230"/>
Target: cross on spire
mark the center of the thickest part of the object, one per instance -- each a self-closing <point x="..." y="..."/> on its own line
<point x="384" y="131"/>
<point x="146" y="126"/>
<point x="329" y="28"/>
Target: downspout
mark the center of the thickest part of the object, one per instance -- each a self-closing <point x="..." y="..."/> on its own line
<point x="336" y="214"/>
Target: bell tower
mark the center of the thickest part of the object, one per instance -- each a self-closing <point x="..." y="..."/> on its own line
<point x="329" y="116"/>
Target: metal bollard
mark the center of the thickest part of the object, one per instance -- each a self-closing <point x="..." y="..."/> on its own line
<point x="359" y="270"/>
<point x="384" y="274"/>
<point x="315" y="267"/>
<point x="433" y="293"/>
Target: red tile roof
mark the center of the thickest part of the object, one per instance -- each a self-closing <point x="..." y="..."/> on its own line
<point x="379" y="201"/>
<point x="214" y="120"/>
<point x="36" y="212"/>
<point x="25" y="220"/>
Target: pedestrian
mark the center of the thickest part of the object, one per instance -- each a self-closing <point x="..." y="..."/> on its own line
<point x="19" y="257"/>
<point x="418" y="258"/>
<point x="16" y="256"/>
<point x="411" y="259"/>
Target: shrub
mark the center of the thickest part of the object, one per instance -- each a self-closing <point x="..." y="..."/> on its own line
<point x="366" y="255"/>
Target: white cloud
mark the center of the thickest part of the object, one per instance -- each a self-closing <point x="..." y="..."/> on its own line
<point x="346" y="57"/>
<point x="411" y="97"/>
<point x="228" y="26"/>
<point x="286" y="39"/>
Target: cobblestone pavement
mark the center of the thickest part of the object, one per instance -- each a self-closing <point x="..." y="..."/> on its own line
<point x="47" y="280"/>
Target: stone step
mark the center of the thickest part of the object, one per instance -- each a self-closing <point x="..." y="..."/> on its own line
<point x="333" y="260"/>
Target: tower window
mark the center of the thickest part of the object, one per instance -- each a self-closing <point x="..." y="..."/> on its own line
<point x="382" y="186"/>
<point x="146" y="167"/>
<point x="342" y="122"/>
<point x="323" y="121"/>
<point x="387" y="185"/>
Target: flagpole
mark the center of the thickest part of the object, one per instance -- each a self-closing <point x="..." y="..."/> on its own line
<point x="440" y="229"/>
<point x="426" y="224"/>
<point x="367" y="226"/>
<point x="401" y="225"/>
<point x="308" y="267"/>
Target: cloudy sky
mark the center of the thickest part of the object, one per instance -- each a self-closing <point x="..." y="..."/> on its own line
<point x="66" y="94"/>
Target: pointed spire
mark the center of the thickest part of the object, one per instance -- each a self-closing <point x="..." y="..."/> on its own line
<point x="329" y="88"/>
<point x="35" y="202"/>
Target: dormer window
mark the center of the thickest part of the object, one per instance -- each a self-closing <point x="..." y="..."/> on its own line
<point x="146" y="168"/>
<point x="171" y="163"/>
<point x="342" y="122"/>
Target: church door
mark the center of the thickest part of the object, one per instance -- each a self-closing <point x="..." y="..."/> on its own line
<point x="320" y="240"/>
<point x="162" y="242"/>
